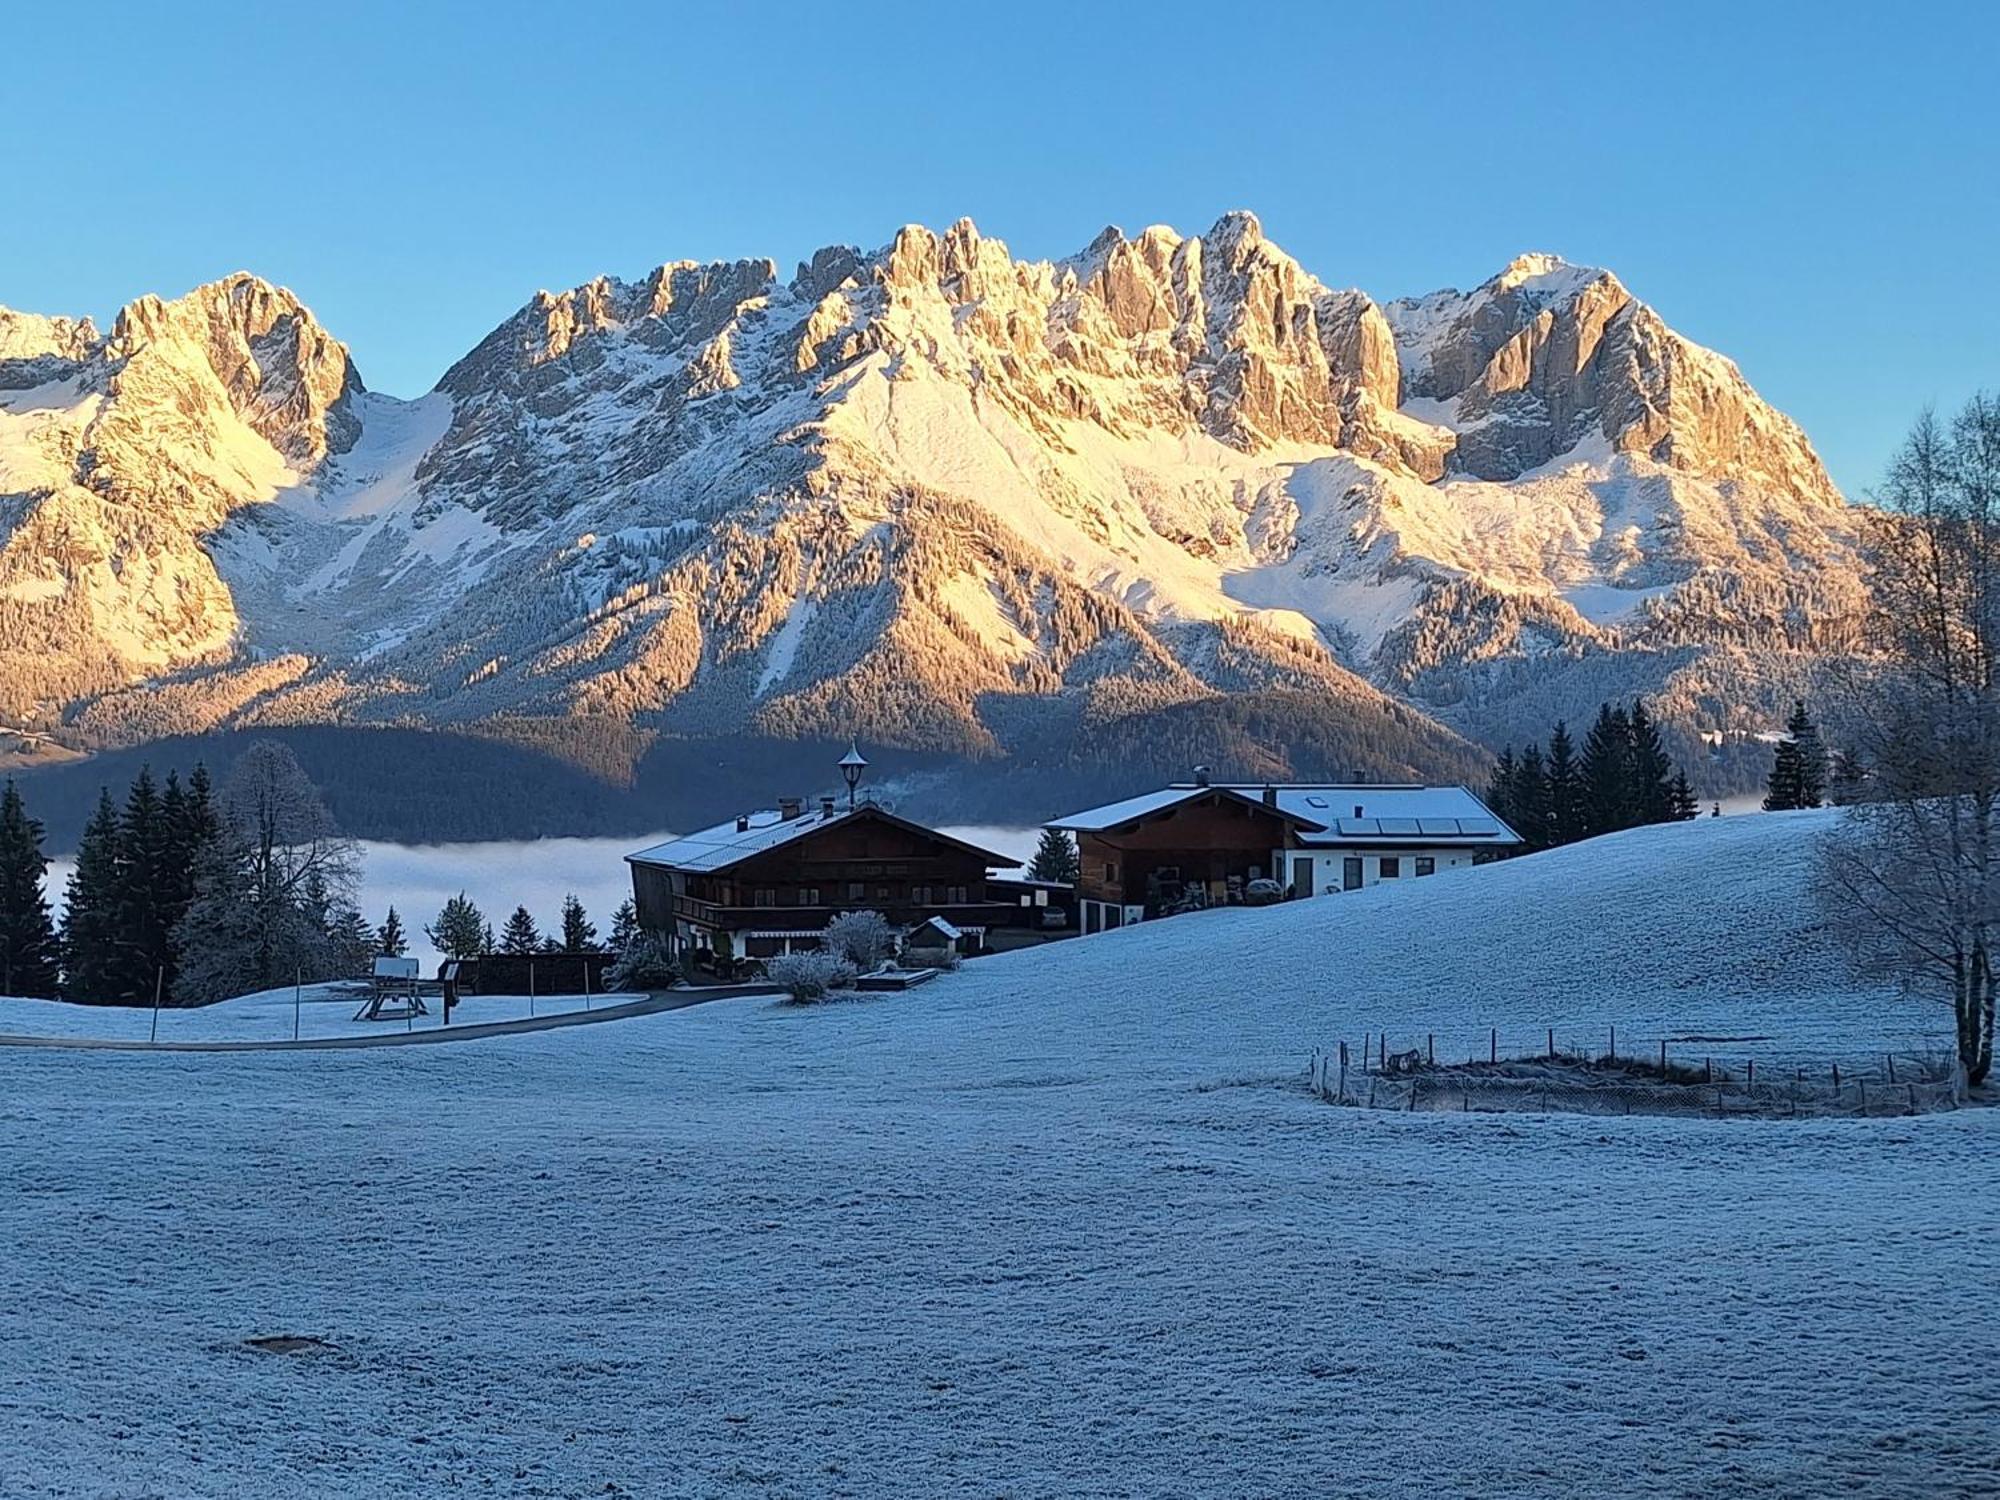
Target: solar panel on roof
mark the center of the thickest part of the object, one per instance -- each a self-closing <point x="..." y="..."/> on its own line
<point x="1484" y="826"/>
<point x="1448" y="827"/>
<point x="1400" y="826"/>
<point x="1355" y="827"/>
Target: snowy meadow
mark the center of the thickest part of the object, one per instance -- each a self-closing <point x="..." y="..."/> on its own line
<point x="1067" y="1222"/>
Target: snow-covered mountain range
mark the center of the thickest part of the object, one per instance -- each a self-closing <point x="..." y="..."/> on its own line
<point x="930" y="495"/>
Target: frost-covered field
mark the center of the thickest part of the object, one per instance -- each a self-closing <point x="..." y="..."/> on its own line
<point x="319" y="1011"/>
<point x="1063" y="1224"/>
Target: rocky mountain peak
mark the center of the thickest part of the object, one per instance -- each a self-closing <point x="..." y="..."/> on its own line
<point x="287" y="377"/>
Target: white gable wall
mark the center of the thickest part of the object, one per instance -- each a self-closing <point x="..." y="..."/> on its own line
<point x="1329" y="865"/>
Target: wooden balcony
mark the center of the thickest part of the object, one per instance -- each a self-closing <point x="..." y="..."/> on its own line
<point x="778" y="918"/>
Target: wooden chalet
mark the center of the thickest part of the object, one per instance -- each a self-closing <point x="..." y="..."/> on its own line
<point x="772" y="880"/>
<point x="1202" y="844"/>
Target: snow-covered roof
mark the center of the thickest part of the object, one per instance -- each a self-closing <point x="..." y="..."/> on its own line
<point x="1328" y="813"/>
<point x="729" y="844"/>
<point x="733" y="842"/>
<point x="1096" y="819"/>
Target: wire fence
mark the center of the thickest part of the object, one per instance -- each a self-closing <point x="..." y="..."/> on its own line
<point x="1643" y="1080"/>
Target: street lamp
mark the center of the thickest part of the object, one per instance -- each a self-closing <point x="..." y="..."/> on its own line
<point x="852" y="765"/>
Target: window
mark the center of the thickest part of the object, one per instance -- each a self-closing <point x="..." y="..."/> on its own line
<point x="955" y="895"/>
<point x="1426" y="865"/>
<point x="1392" y="866"/>
<point x="765" y="896"/>
<point x="857" y="890"/>
<point x="1350" y="873"/>
<point x="920" y="895"/>
<point x="1111" y="871"/>
<point x="809" y="895"/>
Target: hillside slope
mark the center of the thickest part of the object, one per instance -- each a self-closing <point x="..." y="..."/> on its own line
<point x="1066" y="1223"/>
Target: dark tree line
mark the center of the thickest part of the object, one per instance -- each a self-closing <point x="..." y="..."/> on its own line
<point x="462" y="931"/>
<point x="186" y="894"/>
<point x="1621" y="778"/>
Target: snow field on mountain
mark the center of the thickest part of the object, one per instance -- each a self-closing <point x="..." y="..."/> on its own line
<point x="1066" y="1222"/>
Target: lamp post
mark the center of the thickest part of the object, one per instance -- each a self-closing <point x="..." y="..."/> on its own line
<point x="852" y="765"/>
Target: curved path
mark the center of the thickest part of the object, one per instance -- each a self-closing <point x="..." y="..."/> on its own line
<point x="652" y="1004"/>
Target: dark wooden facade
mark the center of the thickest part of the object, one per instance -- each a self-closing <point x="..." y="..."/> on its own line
<point x="779" y="899"/>
<point x="1217" y="843"/>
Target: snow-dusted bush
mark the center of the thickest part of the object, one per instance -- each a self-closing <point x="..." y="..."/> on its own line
<point x="646" y="964"/>
<point x="864" y="938"/>
<point x="808" y="977"/>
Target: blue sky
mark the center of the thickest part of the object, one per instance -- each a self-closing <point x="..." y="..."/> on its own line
<point x="1810" y="189"/>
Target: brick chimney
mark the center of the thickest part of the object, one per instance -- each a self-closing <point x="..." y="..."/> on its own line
<point x="1270" y="795"/>
<point x="789" y="808"/>
<point x="826" y="807"/>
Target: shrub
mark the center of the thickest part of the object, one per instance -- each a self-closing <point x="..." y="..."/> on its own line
<point x="864" y="938"/>
<point x="809" y="977"/>
<point x="646" y="964"/>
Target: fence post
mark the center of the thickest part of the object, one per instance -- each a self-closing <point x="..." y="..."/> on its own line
<point x="1343" y="1072"/>
<point x="1750" y="1073"/>
<point x="1552" y="1048"/>
<point x="531" y="987"/>
<point x="1708" y="1070"/>
<point x="1614" y="1044"/>
<point x="1890" y="1059"/>
<point x="298" y="985"/>
<point x="1493" y="1045"/>
<point x="1431" y="1048"/>
<point x="1663" y="1058"/>
<point x="1836" y="1082"/>
<point x="159" y="979"/>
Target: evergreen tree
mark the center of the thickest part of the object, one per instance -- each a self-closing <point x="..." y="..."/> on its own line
<point x="1607" y="772"/>
<point x="222" y="938"/>
<point x="1500" y="790"/>
<point x="1681" y="804"/>
<point x="1056" y="858"/>
<point x="1650" y="791"/>
<point x="148" y="895"/>
<point x="350" y="944"/>
<point x="90" y="934"/>
<point x="579" y="933"/>
<point x="390" y="941"/>
<point x="1566" y="790"/>
<point x="1814" y="768"/>
<point x="624" y="926"/>
<point x="1531" y="798"/>
<point x="1782" y="789"/>
<point x="30" y="957"/>
<point x="520" y="935"/>
<point x="460" y="931"/>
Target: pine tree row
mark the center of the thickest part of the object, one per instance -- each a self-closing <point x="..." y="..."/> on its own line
<point x="1623" y="778"/>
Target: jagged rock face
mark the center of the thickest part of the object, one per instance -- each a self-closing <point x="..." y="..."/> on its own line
<point x="1547" y="355"/>
<point x="930" y="493"/>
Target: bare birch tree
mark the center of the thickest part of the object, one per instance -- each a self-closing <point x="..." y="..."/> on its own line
<point x="1912" y="873"/>
<point x="276" y="867"/>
